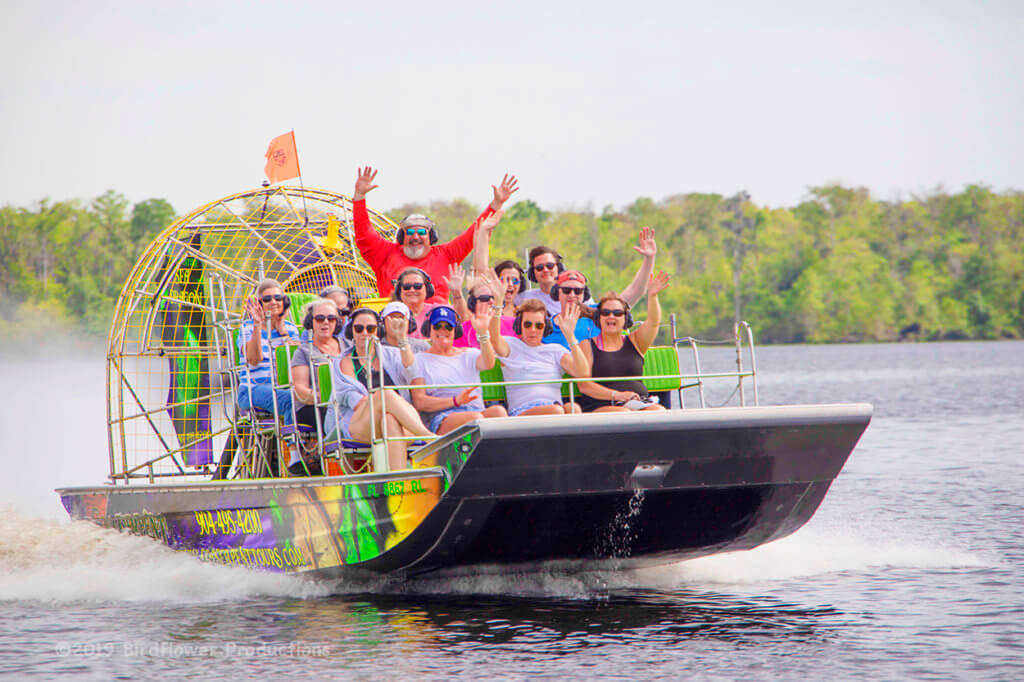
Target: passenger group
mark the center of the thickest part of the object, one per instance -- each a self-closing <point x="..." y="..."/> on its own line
<point x="432" y="334"/>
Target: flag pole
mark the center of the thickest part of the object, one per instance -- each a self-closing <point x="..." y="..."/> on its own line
<point x="302" y="188"/>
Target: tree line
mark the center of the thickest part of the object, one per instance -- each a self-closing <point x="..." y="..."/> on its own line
<point x="840" y="266"/>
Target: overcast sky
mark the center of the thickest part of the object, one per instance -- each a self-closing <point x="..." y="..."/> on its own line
<point x="590" y="103"/>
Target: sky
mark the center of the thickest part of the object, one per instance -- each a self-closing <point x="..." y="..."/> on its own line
<point x="590" y="104"/>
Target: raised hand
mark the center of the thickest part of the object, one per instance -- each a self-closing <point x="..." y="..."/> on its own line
<point x="492" y="282"/>
<point x="658" y="283"/>
<point x="646" y="245"/>
<point x="455" y="277"/>
<point x="364" y="182"/>
<point x="509" y="185"/>
<point x="465" y="396"/>
<point x="399" y="326"/>
<point x="255" y="311"/>
<point x="568" y="319"/>
<point x="481" y="318"/>
<point x="488" y="224"/>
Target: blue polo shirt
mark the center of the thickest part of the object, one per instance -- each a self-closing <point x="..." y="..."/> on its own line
<point x="586" y="328"/>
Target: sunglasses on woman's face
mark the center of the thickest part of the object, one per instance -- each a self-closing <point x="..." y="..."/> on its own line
<point x="530" y="324"/>
<point x="267" y="298"/>
<point x="325" y="318"/>
<point x="412" y="285"/>
<point x="443" y="326"/>
<point x="345" y="312"/>
<point x="572" y="290"/>
<point x="540" y="266"/>
<point x="486" y="298"/>
<point x="605" y="312"/>
<point x="368" y="328"/>
<point x="421" y="231"/>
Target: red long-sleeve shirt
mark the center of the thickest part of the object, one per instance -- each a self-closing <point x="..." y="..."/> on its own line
<point x="387" y="258"/>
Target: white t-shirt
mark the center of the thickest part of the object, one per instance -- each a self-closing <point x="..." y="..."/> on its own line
<point x="525" y="363"/>
<point x="446" y="369"/>
<point x="554" y="307"/>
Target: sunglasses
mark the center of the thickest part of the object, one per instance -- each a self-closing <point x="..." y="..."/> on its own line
<point x="442" y="325"/>
<point x="412" y="285"/>
<point x="605" y="312"/>
<point x="345" y="313"/>
<point x="267" y="298"/>
<point x="541" y="266"/>
<point x="514" y="281"/>
<point x="530" y="324"/>
<point x="486" y="298"/>
<point x="325" y="318"/>
<point x="572" y="290"/>
<point x="421" y="231"/>
<point x="368" y="328"/>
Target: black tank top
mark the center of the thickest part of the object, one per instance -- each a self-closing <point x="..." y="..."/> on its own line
<point x="624" y="362"/>
<point x="374" y="376"/>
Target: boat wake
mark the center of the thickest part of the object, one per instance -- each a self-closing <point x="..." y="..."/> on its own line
<point x="77" y="561"/>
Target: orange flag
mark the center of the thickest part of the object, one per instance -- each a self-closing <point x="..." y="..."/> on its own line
<point x="282" y="158"/>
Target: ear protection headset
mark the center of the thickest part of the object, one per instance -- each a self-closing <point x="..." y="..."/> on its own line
<point x="586" y="291"/>
<point x="425" y="329"/>
<point x="517" y="324"/>
<point x="400" y="234"/>
<point x="397" y="295"/>
<point x="360" y="311"/>
<point x="307" y="321"/>
<point x="532" y="274"/>
<point x="505" y="265"/>
<point x="471" y="302"/>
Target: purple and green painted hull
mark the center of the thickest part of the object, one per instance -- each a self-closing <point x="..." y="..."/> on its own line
<point x="639" y="489"/>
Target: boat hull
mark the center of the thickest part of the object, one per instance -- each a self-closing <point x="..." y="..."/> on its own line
<point x="635" y="489"/>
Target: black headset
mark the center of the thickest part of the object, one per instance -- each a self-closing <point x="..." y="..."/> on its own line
<point x="360" y="311"/>
<point x="586" y="292"/>
<point x="425" y="329"/>
<point x="307" y="321"/>
<point x="505" y="265"/>
<point x="396" y="283"/>
<point x="400" y="235"/>
<point x="532" y="274"/>
<point x="517" y="323"/>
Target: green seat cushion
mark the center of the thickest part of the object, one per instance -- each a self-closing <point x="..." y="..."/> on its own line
<point x="661" y="360"/>
<point x="493" y="374"/>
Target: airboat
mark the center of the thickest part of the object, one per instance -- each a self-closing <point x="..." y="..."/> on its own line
<point x="190" y="469"/>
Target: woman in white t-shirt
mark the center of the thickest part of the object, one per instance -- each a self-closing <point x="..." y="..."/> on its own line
<point x="445" y="409"/>
<point x="527" y="358"/>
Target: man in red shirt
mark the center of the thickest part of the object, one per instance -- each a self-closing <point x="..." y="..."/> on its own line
<point x="415" y="244"/>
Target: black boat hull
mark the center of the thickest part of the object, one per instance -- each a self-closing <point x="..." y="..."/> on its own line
<point x="634" y="489"/>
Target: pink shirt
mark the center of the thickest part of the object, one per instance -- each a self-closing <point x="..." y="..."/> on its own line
<point x="468" y="338"/>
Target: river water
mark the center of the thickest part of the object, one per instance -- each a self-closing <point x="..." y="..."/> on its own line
<point x="912" y="568"/>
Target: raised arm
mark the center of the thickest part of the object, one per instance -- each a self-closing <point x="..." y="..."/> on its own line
<point x="482" y="241"/>
<point x="458" y="248"/>
<point x="370" y="244"/>
<point x="481" y="321"/>
<point x="648" y="248"/>
<point x="454" y="282"/>
<point x="254" y="344"/>
<point x="645" y="335"/>
<point x="573" y="362"/>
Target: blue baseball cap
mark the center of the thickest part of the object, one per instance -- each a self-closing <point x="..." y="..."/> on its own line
<point x="442" y="313"/>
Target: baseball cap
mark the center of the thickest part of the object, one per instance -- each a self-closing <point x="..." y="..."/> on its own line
<point x="395" y="307"/>
<point x="416" y="220"/>
<point x="443" y="313"/>
<point x="572" y="276"/>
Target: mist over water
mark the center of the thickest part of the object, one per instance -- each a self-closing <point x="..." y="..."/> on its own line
<point x="912" y="566"/>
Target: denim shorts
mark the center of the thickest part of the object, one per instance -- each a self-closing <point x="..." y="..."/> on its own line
<point x="435" y="421"/>
<point x="515" y="412"/>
